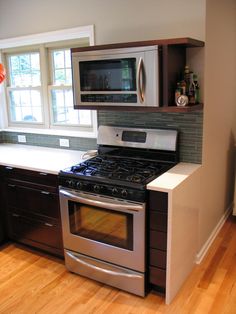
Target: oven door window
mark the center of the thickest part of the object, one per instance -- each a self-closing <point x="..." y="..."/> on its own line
<point x="102" y="225"/>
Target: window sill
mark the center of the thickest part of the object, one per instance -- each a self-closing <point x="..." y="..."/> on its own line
<point x="92" y="134"/>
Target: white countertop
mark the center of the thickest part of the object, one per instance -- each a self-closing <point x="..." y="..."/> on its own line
<point x="52" y="160"/>
<point x="37" y="158"/>
<point x="169" y="180"/>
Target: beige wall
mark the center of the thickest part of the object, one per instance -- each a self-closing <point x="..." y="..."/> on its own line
<point x="129" y="20"/>
<point x="114" y="20"/>
<point x="219" y="114"/>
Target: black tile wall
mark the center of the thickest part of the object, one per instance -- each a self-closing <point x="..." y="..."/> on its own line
<point x="189" y="125"/>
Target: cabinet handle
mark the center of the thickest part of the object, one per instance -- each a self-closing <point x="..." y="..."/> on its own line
<point x="15" y="215"/>
<point x="8" y="168"/>
<point x="43" y="173"/>
<point x="45" y="192"/>
<point x="48" y="225"/>
<point x="11" y="185"/>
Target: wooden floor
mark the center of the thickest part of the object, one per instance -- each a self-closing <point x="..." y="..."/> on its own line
<point x="31" y="282"/>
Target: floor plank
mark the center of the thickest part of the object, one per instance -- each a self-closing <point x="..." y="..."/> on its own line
<point x="34" y="282"/>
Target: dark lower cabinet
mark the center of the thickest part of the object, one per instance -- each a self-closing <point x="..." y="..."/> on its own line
<point x="32" y="209"/>
<point x="2" y="212"/>
<point x="157" y="246"/>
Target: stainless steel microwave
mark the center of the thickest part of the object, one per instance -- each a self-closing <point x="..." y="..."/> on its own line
<point x="116" y="77"/>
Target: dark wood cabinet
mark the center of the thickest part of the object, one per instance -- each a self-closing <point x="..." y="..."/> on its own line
<point x="157" y="246"/>
<point x="2" y="216"/>
<point x="33" y="212"/>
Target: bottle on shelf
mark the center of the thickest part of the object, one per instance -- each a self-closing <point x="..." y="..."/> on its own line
<point x="187" y="88"/>
<point x="191" y="90"/>
<point x="183" y="87"/>
<point x="187" y="76"/>
<point x="178" y="91"/>
<point x="197" y="89"/>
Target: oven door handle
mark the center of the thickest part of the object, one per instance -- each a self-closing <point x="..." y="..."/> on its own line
<point x="103" y="202"/>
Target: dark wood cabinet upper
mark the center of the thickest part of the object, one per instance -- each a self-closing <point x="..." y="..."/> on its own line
<point x="157" y="246"/>
<point x="32" y="209"/>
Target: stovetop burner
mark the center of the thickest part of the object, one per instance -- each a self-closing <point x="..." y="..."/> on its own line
<point x="120" y="169"/>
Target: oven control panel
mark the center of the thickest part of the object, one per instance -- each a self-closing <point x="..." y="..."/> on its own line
<point x="104" y="189"/>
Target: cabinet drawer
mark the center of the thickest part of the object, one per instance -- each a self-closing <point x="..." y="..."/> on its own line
<point x="158" y="221"/>
<point x="34" y="201"/>
<point x="158" y="258"/>
<point x="157" y="276"/>
<point x="158" y="240"/>
<point x="22" y="228"/>
<point x="31" y="176"/>
<point x="158" y="201"/>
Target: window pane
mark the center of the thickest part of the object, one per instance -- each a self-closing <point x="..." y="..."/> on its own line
<point x="62" y="103"/>
<point x="59" y="61"/>
<point x="61" y="67"/>
<point x="24" y="70"/>
<point x="25" y="106"/>
<point x="60" y="77"/>
<point x="85" y="117"/>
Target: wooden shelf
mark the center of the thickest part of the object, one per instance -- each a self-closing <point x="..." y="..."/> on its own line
<point x="192" y="108"/>
<point x="174" y="108"/>
<point x="184" y="42"/>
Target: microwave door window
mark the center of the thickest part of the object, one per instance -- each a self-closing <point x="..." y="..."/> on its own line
<point x="108" y="75"/>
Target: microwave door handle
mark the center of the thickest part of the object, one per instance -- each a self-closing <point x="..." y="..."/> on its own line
<point x="141" y="80"/>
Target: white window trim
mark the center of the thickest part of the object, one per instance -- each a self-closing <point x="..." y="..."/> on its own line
<point x="42" y="38"/>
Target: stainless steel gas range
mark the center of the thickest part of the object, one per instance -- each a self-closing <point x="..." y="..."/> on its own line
<point x="103" y="205"/>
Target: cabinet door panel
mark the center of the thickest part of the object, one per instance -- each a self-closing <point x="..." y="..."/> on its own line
<point x="157" y="276"/>
<point x="22" y="228"/>
<point x="35" y="201"/>
<point x="158" y="201"/>
<point x="31" y="176"/>
<point x="158" y="258"/>
<point x="158" y="240"/>
<point x="158" y="221"/>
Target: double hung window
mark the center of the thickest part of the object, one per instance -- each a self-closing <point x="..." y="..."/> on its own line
<point x="39" y="87"/>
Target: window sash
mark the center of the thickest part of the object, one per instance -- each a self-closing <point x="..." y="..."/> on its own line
<point x="10" y="106"/>
<point x="43" y="43"/>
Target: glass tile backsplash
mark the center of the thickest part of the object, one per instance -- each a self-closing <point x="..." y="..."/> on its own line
<point x="76" y="143"/>
<point x="189" y="125"/>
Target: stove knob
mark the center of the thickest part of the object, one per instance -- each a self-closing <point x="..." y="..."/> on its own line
<point x="96" y="188"/>
<point x="70" y="183"/>
<point x="79" y="185"/>
<point x="114" y="191"/>
<point x="124" y="193"/>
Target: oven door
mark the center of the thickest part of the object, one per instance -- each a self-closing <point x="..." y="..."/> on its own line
<point x="105" y="228"/>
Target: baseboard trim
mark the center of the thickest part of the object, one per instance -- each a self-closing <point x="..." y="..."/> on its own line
<point x="206" y="246"/>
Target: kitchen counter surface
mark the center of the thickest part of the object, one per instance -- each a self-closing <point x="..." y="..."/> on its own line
<point x="169" y="180"/>
<point x="37" y="158"/>
<point x="52" y="160"/>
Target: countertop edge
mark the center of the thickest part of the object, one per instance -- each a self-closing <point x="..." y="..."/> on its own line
<point x="172" y="178"/>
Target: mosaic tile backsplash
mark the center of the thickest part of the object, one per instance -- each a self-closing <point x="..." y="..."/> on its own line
<point x="189" y="126"/>
<point x="76" y="143"/>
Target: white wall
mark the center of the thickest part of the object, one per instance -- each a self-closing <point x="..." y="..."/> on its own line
<point x="131" y="20"/>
